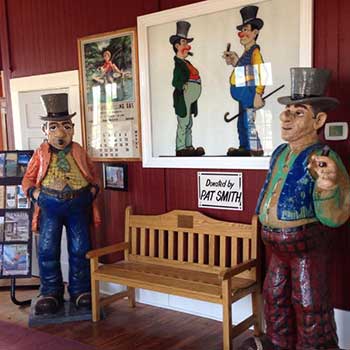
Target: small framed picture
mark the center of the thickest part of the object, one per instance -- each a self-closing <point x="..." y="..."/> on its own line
<point x="336" y="131"/>
<point x="115" y="176"/>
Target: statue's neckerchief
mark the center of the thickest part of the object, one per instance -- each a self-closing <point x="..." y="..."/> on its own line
<point x="62" y="162"/>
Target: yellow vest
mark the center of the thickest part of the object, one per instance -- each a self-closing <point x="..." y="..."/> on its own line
<point x="58" y="179"/>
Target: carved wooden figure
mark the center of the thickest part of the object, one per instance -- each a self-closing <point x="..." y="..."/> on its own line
<point x="60" y="180"/>
<point x="306" y="190"/>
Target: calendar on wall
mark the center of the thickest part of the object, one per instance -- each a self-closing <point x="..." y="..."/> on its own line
<point x="109" y="95"/>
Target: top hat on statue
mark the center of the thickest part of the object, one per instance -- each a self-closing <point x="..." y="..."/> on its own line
<point x="56" y="106"/>
<point x="248" y="14"/>
<point x="308" y="86"/>
<point x="182" y="28"/>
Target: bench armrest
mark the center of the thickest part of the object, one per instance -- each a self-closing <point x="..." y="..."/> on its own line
<point x="107" y="250"/>
<point x="230" y="272"/>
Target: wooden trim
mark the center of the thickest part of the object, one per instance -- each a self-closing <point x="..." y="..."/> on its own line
<point x="112" y="298"/>
<point x="233" y="271"/>
<point x="242" y="326"/>
<point x="107" y="250"/>
<point x="7" y="70"/>
<point x="227" y="314"/>
<point x="128" y="212"/>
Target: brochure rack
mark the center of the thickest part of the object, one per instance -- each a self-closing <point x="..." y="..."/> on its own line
<point x="15" y="220"/>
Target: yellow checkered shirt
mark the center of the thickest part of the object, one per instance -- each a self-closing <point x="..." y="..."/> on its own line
<point x="57" y="179"/>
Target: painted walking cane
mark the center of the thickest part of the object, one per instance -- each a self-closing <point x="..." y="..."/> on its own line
<point x="227" y="119"/>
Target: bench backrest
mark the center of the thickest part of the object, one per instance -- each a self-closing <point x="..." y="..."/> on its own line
<point x="188" y="237"/>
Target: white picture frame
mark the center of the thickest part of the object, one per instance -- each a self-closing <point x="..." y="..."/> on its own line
<point x="158" y="122"/>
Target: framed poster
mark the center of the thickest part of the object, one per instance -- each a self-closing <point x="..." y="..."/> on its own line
<point x="203" y="104"/>
<point x="108" y="73"/>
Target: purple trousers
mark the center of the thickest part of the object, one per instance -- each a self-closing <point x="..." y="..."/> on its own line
<point x="298" y="310"/>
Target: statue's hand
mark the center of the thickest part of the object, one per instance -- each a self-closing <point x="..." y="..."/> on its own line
<point x="93" y="191"/>
<point x="36" y="194"/>
<point x="325" y="170"/>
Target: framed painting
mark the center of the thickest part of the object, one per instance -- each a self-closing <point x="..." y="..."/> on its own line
<point x="115" y="176"/>
<point x="201" y="68"/>
<point x="108" y="73"/>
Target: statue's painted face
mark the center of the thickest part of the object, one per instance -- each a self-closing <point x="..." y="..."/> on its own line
<point x="59" y="133"/>
<point x="299" y="123"/>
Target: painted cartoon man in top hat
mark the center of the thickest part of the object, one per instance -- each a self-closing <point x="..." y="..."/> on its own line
<point x="306" y="189"/>
<point x="60" y="179"/>
<point x="248" y="94"/>
<point x="187" y="89"/>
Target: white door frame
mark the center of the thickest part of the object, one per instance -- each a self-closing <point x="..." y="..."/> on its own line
<point x="68" y="80"/>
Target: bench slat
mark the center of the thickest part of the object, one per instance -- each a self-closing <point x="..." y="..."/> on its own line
<point x="180" y="246"/>
<point x="223" y="252"/>
<point x="211" y="250"/>
<point x="233" y="251"/>
<point x="169" y="282"/>
<point x="171" y="245"/>
<point x="161" y="243"/>
<point x="201" y="224"/>
<point x="183" y="264"/>
<point x="151" y="242"/>
<point x="134" y="240"/>
<point x="190" y="253"/>
<point x="245" y="249"/>
<point x="201" y="249"/>
<point x="143" y="241"/>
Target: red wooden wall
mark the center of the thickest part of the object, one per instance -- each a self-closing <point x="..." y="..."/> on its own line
<point x="42" y="38"/>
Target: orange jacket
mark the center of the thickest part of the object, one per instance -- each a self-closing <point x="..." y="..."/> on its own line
<point x="37" y="169"/>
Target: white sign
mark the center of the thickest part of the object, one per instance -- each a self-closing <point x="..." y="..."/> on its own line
<point x="220" y="190"/>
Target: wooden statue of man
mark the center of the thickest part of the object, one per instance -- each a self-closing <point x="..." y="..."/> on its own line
<point x="60" y="179"/>
<point x="306" y="189"/>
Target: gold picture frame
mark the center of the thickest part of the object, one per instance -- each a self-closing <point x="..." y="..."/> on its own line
<point x="109" y="95"/>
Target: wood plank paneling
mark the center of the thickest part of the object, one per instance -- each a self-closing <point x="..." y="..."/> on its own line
<point x="146" y="195"/>
<point x="331" y="50"/>
<point x="44" y="33"/>
<point x="181" y="193"/>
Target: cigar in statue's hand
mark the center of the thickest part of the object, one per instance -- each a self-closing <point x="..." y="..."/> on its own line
<point x="325" y="152"/>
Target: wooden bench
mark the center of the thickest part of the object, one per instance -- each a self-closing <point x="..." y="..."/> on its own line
<point x="188" y="254"/>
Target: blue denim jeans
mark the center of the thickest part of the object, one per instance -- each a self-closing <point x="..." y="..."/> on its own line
<point x="248" y="138"/>
<point x="75" y="215"/>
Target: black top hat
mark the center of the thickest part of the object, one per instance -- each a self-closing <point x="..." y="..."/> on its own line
<point x="182" y="28"/>
<point x="248" y="14"/>
<point x="56" y="106"/>
<point x="308" y="86"/>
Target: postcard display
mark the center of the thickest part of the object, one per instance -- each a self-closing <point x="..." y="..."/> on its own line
<point x="15" y="216"/>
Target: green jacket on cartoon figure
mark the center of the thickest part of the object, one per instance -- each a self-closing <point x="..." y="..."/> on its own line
<point x="180" y="78"/>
